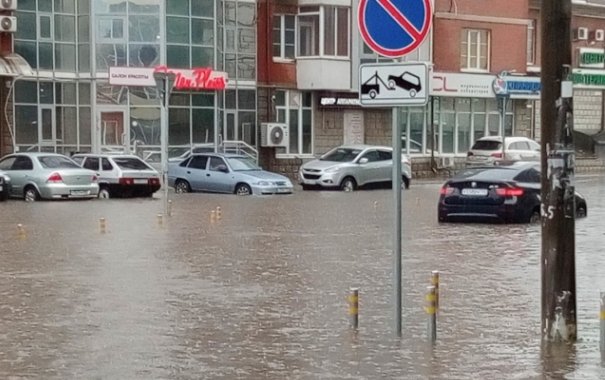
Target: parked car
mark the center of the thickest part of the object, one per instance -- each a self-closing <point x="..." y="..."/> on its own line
<point x="121" y="175"/>
<point x="504" y="193"/>
<point x="488" y="150"/>
<point x="37" y="176"/>
<point x="349" y="167"/>
<point x="5" y="183"/>
<point x="225" y="173"/>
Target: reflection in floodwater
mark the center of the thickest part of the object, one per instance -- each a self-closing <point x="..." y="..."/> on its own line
<point x="262" y="291"/>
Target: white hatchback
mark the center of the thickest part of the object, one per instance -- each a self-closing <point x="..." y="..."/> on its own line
<point x="488" y="150"/>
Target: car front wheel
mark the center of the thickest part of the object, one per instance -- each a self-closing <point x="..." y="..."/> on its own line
<point x="348" y="184"/>
<point x="181" y="187"/>
<point x="535" y="217"/>
<point x="243" y="189"/>
<point x="31" y="194"/>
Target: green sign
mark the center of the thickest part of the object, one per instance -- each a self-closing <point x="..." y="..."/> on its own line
<point x="591" y="58"/>
<point x="593" y="79"/>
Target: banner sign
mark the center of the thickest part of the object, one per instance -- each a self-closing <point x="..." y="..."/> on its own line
<point x="203" y="78"/>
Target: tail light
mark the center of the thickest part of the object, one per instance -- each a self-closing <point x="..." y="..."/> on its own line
<point x="509" y="191"/>
<point x="54" y="178"/>
<point x="496" y="155"/>
<point x="126" y="181"/>
<point x="154" y="181"/>
<point x="446" y="190"/>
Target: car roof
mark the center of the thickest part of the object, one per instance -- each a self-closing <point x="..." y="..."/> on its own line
<point x="363" y="146"/>
<point x="107" y="155"/>
<point x="226" y="155"/>
<point x="499" y="138"/>
<point x="503" y="172"/>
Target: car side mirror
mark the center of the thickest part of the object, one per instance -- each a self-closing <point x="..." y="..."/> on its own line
<point x="222" y="168"/>
<point x="363" y="160"/>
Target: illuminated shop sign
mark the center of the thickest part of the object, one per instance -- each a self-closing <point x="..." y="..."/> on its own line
<point x="591" y="58"/>
<point x="589" y="79"/>
<point x="336" y="101"/>
<point x="202" y="78"/>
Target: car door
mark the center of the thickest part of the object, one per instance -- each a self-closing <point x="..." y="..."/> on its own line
<point x="219" y="177"/>
<point x="5" y="165"/>
<point x="370" y="171"/>
<point x="195" y="173"/>
<point x="516" y="150"/>
<point x="21" y="173"/>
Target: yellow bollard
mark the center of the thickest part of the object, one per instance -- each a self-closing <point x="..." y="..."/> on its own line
<point x="431" y="311"/>
<point x="160" y="219"/>
<point x="219" y="213"/>
<point x="354" y="307"/>
<point x="102" y="225"/>
<point x="212" y="216"/>
<point x="21" y="231"/>
<point x="435" y="283"/>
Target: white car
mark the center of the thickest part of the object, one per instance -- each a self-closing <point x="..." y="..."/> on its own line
<point x="349" y="167"/>
<point x="488" y="150"/>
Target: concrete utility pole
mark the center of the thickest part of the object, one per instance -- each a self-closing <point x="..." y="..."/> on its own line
<point x="558" y="165"/>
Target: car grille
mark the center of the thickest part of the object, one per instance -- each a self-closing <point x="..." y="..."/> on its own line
<point x="311" y="176"/>
<point x="280" y="183"/>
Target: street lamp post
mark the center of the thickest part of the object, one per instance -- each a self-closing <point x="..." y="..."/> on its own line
<point x="164" y="82"/>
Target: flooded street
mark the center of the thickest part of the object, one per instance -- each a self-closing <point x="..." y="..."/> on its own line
<point x="261" y="292"/>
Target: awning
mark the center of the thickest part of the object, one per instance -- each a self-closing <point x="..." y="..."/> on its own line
<point x="14" y="65"/>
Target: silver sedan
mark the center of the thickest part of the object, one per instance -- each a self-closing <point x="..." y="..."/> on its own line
<point x="48" y="176"/>
<point x="349" y="167"/>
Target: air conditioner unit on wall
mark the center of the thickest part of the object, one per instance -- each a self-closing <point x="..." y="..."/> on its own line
<point x="581" y="33"/>
<point x="8" y="24"/>
<point x="274" y="135"/>
<point x="8" y="5"/>
<point x="447" y="162"/>
<point x="599" y="35"/>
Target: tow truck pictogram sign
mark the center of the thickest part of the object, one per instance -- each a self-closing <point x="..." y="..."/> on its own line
<point x="393" y="84"/>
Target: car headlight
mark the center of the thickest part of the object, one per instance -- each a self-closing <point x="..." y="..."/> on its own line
<point x="332" y="169"/>
<point x="264" y="183"/>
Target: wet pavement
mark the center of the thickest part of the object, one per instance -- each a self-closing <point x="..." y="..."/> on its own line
<point x="261" y="293"/>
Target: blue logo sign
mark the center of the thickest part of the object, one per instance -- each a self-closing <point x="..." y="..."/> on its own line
<point x="504" y="86"/>
<point x="393" y="28"/>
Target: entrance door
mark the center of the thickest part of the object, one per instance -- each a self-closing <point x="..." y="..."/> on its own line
<point x="229" y="130"/>
<point x="112" y="132"/>
<point x="47" y="129"/>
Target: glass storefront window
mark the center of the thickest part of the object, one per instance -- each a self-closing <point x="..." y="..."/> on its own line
<point x="179" y="132"/>
<point x="178" y="7"/>
<point x="177" y="56"/>
<point x="26" y="117"/>
<point x="203" y="125"/>
<point x="202" y="8"/>
<point x="177" y="30"/>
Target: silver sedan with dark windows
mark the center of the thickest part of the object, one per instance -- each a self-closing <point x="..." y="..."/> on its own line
<point x="349" y="167"/>
<point x="225" y="173"/>
<point x="37" y="176"/>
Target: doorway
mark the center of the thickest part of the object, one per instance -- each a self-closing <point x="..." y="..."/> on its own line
<point x="112" y="131"/>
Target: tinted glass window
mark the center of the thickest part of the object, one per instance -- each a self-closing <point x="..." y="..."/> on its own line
<point x="91" y="163"/>
<point x="242" y="163"/>
<point x="530" y="175"/>
<point x="106" y="165"/>
<point x="385" y="155"/>
<point x="130" y="163"/>
<point x="198" y="162"/>
<point x="486" y="145"/>
<point x="78" y="160"/>
<point x="23" y="163"/>
<point x="341" y="155"/>
<point x="7" y="163"/>
<point x="372" y="156"/>
<point x="56" y="162"/>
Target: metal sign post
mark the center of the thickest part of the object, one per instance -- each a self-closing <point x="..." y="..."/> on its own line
<point x="164" y="83"/>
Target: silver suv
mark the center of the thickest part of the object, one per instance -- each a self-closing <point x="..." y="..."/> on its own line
<point x="488" y="150"/>
<point x="121" y="175"/>
<point x="349" y="167"/>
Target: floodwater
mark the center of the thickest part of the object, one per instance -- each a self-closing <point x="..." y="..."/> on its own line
<point x="261" y="292"/>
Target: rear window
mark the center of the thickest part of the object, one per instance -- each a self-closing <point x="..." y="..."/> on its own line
<point x="130" y="163"/>
<point x="56" y="162"/>
<point x="486" y="145"/>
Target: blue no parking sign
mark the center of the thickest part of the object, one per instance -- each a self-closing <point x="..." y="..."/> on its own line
<point x="393" y="28"/>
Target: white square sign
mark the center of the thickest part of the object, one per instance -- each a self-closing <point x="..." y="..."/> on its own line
<point x="394" y="84"/>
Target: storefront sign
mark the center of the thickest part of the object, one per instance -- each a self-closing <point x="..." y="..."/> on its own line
<point x="588" y="79"/>
<point x="338" y="102"/>
<point x="518" y="87"/>
<point x="195" y="79"/>
<point x="462" y="85"/>
<point x="591" y="58"/>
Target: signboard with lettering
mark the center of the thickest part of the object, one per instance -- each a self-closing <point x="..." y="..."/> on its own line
<point x="203" y="78"/>
<point x="462" y="85"/>
<point x="591" y="58"/>
<point x="588" y="79"/>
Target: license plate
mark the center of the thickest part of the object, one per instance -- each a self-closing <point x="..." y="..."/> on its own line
<point x="474" y="192"/>
<point x="79" y="192"/>
<point x="283" y="190"/>
<point x="140" y="181"/>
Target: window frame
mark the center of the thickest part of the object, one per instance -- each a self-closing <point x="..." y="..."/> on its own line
<point x="281" y="28"/>
<point x="284" y="108"/>
<point x="318" y="34"/>
<point x="468" y="62"/>
<point x="531" y="43"/>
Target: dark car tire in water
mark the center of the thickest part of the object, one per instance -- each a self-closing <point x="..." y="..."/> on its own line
<point x="104" y="193"/>
<point x="31" y="194"/>
<point x="581" y="211"/>
<point x="348" y="184"/>
<point x="406" y="182"/>
<point x="181" y="186"/>
<point x="243" y="189"/>
<point x="535" y="217"/>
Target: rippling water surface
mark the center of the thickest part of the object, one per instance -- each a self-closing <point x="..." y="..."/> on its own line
<point x="261" y="293"/>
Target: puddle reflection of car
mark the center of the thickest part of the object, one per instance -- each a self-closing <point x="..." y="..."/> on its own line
<point x="225" y="173"/>
<point x="349" y="167"/>
<point x="504" y="193"/>
<point x="406" y="81"/>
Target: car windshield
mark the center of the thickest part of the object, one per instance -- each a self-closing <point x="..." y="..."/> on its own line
<point x="130" y="163"/>
<point x="239" y="164"/>
<point x="341" y="155"/>
<point x="56" y="162"/>
<point x="487" y="145"/>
